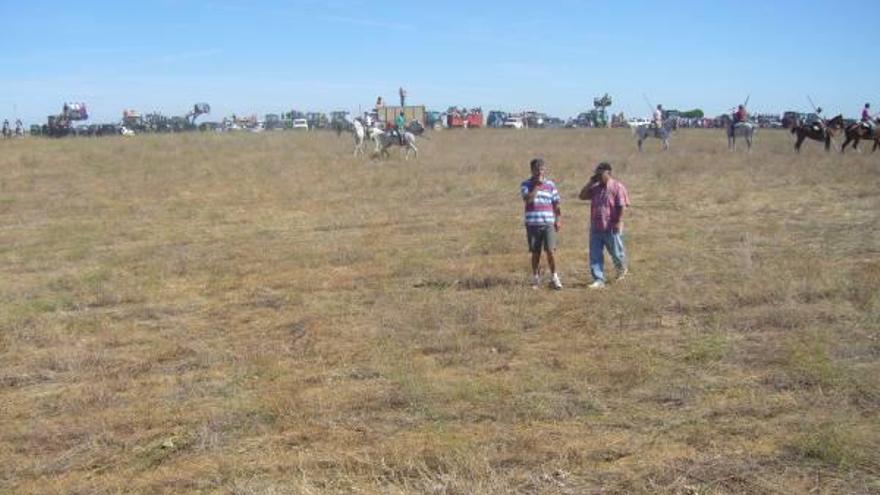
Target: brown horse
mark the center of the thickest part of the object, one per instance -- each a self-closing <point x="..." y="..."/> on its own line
<point x="856" y="132"/>
<point x="817" y="132"/>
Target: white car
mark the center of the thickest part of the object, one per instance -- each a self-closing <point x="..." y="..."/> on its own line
<point x="301" y="124"/>
<point x="638" y="122"/>
<point x="513" y="123"/>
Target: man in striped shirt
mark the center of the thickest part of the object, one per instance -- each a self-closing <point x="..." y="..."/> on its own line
<point x="542" y="218"/>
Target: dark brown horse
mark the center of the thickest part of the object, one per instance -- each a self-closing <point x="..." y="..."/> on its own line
<point x="856" y="132"/>
<point x="817" y="132"/>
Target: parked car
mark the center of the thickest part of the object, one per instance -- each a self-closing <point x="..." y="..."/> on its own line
<point x="301" y="124"/>
<point x="514" y="123"/>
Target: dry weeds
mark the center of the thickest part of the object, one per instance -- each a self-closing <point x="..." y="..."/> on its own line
<point x="263" y="314"/>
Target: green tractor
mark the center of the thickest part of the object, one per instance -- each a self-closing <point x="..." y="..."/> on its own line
<point x="600" y="116"/>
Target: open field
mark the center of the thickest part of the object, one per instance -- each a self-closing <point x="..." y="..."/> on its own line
<point x="263" y="314"/>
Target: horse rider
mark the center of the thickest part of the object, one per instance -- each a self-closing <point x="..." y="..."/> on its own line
<point x="400" y="125"/>
<point x="658" y="117"/>
<point x="5" y="130"/>
<point x="819" y="122"/>
<point x="19" y="128"/>
<point x="740" y="116"/>
<point x="867" y="121"/>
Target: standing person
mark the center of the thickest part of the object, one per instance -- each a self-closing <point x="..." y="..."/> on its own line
<point x="400" y="124"/>
<point x="402" y="97"/>
<point x="542" y="219"/>
<point x="608" y="199"/>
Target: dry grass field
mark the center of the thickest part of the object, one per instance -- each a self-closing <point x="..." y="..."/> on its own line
<point x="264" y="314"/>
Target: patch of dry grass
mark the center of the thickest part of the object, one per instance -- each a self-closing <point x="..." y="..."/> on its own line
<point x="263" y="314"/>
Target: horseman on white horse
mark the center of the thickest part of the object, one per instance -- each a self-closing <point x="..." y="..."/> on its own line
<point x="384" y="139"/>
<point x="740" y="127"/>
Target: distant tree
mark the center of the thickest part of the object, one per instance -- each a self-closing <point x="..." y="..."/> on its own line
<point x="693" y="114"/>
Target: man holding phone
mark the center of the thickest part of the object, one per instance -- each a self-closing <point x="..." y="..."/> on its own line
<point x="543" y="220"/>
<point x="608" y="199"/>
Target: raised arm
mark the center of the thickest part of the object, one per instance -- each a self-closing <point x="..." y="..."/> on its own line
<point x="589" y="188"/>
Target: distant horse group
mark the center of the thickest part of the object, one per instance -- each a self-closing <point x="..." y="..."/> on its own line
<point x="7" y="133"/>
<point x="823" y="131"/>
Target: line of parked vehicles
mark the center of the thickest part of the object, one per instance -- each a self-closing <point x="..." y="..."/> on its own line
<point x="70" y="121"/>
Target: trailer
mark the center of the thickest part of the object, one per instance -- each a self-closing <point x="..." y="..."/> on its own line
<point x="411" y="113"/>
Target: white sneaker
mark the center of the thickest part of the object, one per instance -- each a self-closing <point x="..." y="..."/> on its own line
<point x="555" y="283"/>
<point x="536" y="281"/>
<point x="598" y="284"/>
<point x="621" y="274"/>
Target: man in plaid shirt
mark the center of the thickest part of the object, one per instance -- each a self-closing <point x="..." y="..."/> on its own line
<point x="608" y="199"/>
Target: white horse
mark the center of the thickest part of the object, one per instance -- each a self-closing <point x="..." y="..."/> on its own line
<point x="740" y="129"/>
<point x="359" y="137"/>
<point x="645" y="131"/>
<point x="386" y="139"/>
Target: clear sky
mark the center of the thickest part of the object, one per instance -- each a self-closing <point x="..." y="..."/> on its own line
<point x="269" y="56"/>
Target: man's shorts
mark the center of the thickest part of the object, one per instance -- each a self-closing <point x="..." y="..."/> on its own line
<point x="541" y="237"/>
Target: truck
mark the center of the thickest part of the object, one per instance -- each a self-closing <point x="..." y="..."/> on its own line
<point x="464" y="117"/>
<point x="434" y="119"/>
<point x="496" y="118"/>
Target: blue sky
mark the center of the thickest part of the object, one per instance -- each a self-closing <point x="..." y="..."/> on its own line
<point x="268" y="56"/>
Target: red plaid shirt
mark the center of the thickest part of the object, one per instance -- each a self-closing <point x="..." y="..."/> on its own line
<point x="606" y="207"/>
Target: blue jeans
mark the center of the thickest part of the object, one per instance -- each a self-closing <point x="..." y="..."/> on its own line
<point x="605" y="240"/>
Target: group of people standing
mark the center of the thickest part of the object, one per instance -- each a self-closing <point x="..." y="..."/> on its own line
<point x="543" y="220"/>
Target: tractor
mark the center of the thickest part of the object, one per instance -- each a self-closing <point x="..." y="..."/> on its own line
<point x="61" y="125"/>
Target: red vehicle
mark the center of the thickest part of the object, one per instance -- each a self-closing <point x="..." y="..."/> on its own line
<point x="463" y="117"/>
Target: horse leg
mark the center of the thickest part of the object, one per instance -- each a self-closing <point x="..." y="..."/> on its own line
<point x="640" y="145"/>
<point x="828" y="142"/>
